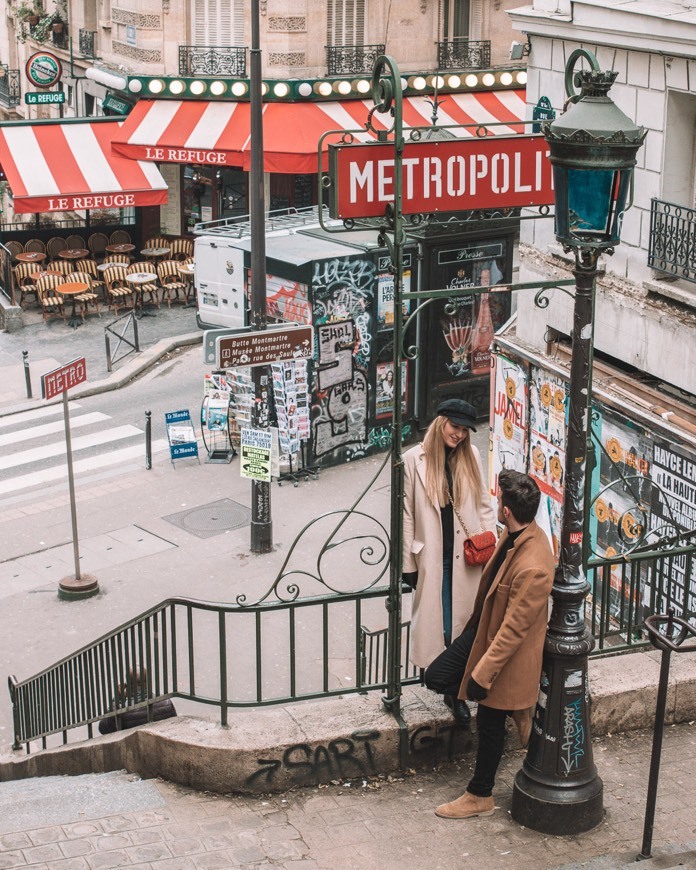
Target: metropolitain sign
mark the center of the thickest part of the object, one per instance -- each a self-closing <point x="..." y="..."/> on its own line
<point x="441" y="176"/>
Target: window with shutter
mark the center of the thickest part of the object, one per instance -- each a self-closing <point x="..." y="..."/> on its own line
<point x="218" y="22"/>
<point x="345" y="23"/>
<point x="461" y="19"/>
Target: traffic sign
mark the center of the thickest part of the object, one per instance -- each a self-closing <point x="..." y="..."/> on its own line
<point x="33" y="98"/>
<point x="265" y="347"/>
<point x="60" y="380"/>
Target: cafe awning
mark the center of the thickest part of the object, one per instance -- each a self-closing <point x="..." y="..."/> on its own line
<point x="217" y="133"/>
<point x="66" y="166"/>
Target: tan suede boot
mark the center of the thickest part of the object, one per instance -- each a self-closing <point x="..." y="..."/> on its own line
<point x="467" y="806"/>
<point x="523" y="720"/>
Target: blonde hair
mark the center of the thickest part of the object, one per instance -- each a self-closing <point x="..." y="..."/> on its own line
<point x="466" y="473"/>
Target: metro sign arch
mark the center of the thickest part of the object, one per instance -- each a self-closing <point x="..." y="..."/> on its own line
<point x="495" y="172"/>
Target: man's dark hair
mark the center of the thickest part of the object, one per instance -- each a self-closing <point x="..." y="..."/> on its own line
<point x="520" y="494"/>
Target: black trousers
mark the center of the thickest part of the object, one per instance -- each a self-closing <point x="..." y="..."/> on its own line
<point x="444" y="675"/>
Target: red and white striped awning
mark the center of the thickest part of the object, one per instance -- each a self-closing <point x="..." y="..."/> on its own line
<point x="70" y="167"/>
<point x="217" y="133"/>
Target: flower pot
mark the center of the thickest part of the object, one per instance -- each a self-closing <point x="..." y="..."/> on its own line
<point x="58" y="27"/>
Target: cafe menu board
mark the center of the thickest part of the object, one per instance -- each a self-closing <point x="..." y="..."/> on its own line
<point x="291" y="396"/>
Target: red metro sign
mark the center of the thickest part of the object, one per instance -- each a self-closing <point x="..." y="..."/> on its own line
<point x="443" y="176"/>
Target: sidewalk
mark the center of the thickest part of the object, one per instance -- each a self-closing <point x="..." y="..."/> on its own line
<point x="115" y="820"/>
<point x="54" y="343"/>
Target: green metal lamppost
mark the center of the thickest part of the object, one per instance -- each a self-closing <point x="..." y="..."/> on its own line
<point x="593" y="148"/>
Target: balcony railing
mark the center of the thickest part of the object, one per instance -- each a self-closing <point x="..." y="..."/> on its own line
<point x="212" y="60"/>
<point x="673" y="239"/>
<point x="86" y="44"/>
<point x="343" y="60"/>
<point x="9" y="86"/>
<point x="464" y="54"/>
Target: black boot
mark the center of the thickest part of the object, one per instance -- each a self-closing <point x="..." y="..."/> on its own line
<point x="460" y="709"/>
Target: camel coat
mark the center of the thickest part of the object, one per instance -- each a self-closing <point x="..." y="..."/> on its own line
<point x="512" y="616"/>
<point x="423" y="553"/>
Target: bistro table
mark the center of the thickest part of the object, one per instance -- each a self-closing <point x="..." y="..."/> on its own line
<point x="123" y="248"/>
<point x="30" y="257"/>
<point x="186" y="270"/>
<point x="36" y="275"/>
<point x="74" y="254"/>
<point x="155" y="253"/>
<point x="139" y="280"/>
<point x="73" y="289"/>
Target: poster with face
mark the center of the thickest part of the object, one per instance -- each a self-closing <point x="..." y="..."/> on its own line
<point x="508" y="419"/>
<point x="384" y="396"/>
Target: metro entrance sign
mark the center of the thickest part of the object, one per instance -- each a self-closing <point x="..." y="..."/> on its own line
<point x="441" y="176"/>
<point x="65" y="377"/>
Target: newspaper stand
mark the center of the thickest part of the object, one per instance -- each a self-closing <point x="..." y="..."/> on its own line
<point x="215" y="429"/>
<point x="181" y="435"/>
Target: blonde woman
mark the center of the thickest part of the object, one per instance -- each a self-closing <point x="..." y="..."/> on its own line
<point x="446" y="465"/>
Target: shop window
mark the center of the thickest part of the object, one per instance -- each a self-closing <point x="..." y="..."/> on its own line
<point x="293" y="191"/>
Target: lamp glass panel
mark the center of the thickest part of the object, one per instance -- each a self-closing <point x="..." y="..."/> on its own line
<point x="591" y="198"/>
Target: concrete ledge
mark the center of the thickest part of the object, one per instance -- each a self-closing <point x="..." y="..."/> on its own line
<point x="275" y="748"/>
<point x="11" y="319"/>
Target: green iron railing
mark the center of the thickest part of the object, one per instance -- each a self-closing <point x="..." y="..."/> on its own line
<point x="228" y="656"/>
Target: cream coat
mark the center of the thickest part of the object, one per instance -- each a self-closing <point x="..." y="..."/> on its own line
<point x="512" y="616"/>
<point x="423" y="553"/>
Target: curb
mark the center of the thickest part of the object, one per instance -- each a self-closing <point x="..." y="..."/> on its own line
<point x="145" y="360"/>
<point x="272" y="749"/>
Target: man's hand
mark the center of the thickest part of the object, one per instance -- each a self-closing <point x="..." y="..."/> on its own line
<point x="474" y="692"/>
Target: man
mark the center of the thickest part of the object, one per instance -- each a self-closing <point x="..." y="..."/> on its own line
<point x="496" y="661"/>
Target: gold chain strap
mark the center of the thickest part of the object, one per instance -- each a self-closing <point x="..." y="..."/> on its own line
<point x="461" y="521"/>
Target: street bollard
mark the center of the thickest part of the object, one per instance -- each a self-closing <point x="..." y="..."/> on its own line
<point x="667" y="644"/>
<point x="148" y="440"/>
<point x="109" y="365"/>
<point x="27" y="373"/>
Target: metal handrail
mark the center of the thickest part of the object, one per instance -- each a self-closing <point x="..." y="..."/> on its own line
<point x="166" y="643"/>
<point x="672" y="239"/>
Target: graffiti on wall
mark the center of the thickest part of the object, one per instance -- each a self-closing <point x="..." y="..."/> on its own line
<point x="343" y="290"/>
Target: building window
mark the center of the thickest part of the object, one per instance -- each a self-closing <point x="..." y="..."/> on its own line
<point x="346" y="22"/>
<point x="461" y="19"/>
<point x="218" y="22"/>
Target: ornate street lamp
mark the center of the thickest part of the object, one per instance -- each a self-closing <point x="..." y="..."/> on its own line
<point x="593" y="148"/>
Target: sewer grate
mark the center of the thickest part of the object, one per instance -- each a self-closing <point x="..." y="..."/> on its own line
<point x="212" y="519"/>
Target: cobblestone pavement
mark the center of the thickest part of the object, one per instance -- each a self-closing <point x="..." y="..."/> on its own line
<point x="387" y="823"/>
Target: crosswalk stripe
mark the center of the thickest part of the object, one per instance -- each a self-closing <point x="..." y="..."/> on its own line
<point x="57" y="448"/>
<point x="51" y="428"/>
<point x="34" y="414"/>
<point x="49" y="475"/>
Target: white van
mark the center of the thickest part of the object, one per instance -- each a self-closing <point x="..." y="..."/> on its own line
<point x="219" y="273"/>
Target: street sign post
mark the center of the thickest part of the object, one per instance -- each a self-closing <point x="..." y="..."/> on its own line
<point x="444" y="175"/>
<point x="265" y="347"/>
<point x="55" y="383"/>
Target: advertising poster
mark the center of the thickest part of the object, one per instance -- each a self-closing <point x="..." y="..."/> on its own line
<point x="508" y="419"/>
<point x="385" y="294"/>
<point x="547" y="438"/>
<point x="384" y="400"/>
<point x="619" y="512"/>
<point x="673" y="507"/>
<point x="255" y="454"/>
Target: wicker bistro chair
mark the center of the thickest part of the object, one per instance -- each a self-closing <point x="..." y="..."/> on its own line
<point x="118" y="291"/>
<point x="90" y="267"/>
<point x="149" y="289"/>
<point x="75" y="241"/>
<point x="97" y="243"/>
<point x="120" y="237"/>
<point x="65" y="267"/>
<point x="89" y="297"/>
<point x="23" y="281"/>
<point x="120" y="259"/>
<point x="51" y="301"/>
<point x="54" y="246"/>
<point x="14" y="247"/>
<point x="35" y="246"/>
<point x="157" y="242"/>
<point x="180" y="249"/>
<point x="171" y="282"/>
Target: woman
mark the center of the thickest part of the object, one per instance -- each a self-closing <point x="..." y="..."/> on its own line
<point x="445" y="464"/>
